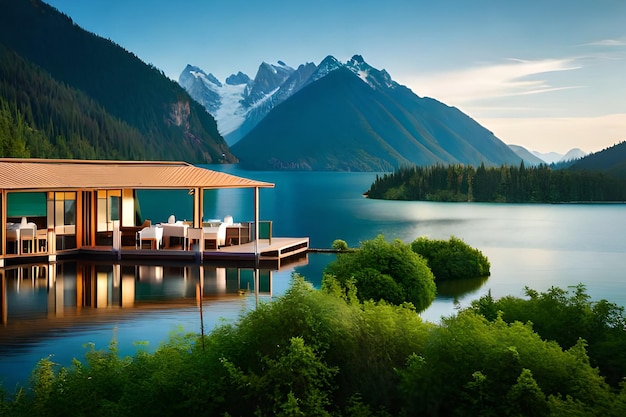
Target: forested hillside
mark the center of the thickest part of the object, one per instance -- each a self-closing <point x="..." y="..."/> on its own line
<point x="67" y="93"/>
<point x="612" y="161"/>
<point x="40" y="117"/>
<point x="505" y="184"/>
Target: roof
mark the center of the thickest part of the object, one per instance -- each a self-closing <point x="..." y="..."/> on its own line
<point x="37" y="174"/>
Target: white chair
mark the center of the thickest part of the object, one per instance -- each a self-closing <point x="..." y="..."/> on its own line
<point x="42" y="240"/>
<point x="153" y="234"/>
<point x="176" y="230"/>
<point x="195" y="235"/>
<point x="28" y="236"/>
<point x="214" y="235"/>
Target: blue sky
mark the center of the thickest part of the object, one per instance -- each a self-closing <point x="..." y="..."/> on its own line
<point x="547" y="75"/>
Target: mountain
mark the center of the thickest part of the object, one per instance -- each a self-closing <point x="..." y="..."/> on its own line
<point x="572" y="155"/>
<point x="549" y="157"/>
<point x="528" y="157"/>
<point x="240" y="103"/>
<point x="611" y="161"/>
<point x="353" y="117"/>
<point x="557" y="158"/>
<point x="85" y="96"/>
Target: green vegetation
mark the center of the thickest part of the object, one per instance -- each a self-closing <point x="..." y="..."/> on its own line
<point x="42" y="118"/>
<point x="506" y="184"/>
<point x="323" y="353"/>
<point x="386" y="271"/>
<point x="76" y="95"/>
<point x="399" y="273"/>
<point x="565" y="316"/>
<point x="452" y="259"/>
<point x="340" y="245"/>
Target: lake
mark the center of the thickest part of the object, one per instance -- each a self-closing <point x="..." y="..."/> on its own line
<point x="534" y="245"/>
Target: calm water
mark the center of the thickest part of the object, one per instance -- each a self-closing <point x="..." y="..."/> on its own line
<point x="528" y="245"/>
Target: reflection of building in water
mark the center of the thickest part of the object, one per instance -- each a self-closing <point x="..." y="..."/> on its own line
<point x="69" y="289"/>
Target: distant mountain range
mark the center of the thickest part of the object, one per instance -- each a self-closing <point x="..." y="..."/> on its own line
<point x="536" y="158"/>
<point x="338" y="116"/>
<point x="67" y="93"/>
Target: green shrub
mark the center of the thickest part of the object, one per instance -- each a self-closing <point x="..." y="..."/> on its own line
<point x="471" y="367"/>
<point x="452" y="259"/>
<point x="340" y="245"/>
<point x="565" y="317"/>
<point x="396" y="263"/>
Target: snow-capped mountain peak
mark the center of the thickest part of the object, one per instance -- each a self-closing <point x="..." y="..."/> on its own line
<point x="268" y="78"/>
<point x="203" y="87"/>
<point x="328" y="64"/>
<point x="240" y="103"/>
<point x="373" y="77"/>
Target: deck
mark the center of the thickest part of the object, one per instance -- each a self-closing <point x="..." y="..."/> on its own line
<point x="276" y="251"/>
<point x="265" y="251"/>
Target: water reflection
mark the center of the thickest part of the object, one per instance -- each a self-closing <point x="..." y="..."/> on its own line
<point x="37" y="299"/>
<point x="457" y="288"/>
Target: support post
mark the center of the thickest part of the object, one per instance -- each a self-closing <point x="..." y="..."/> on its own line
<point x="3" y="232"/>
<point x="197" y="207"/>
<point x="256" y="220"/>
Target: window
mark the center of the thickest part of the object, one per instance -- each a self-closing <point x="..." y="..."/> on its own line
<point x="62" y="215"/>
<point x="108" y="208"/>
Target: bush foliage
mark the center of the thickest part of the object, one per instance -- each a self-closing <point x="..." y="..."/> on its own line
<point x="388" y="271"/>
<point x="452" y="259"/>
<point x="565" y="316"/>
<point x="340" y="245"/>
<point x="324" y="353"/>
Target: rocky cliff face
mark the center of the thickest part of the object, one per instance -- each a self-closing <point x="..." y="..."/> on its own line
<point x="179" y="114"/>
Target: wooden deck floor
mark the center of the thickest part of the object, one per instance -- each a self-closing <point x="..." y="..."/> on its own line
<point x="277" y="248"/>
<point x="264" y="250"/>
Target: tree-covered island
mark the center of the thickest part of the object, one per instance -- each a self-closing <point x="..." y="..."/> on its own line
<point x="405" y="273"/>
<point x="504" y="184"/>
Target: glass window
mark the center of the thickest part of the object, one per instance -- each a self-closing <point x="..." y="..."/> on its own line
<point x="115" y="207"/>
<point x="108" y="208"/>
<point x="65" y="209"/>
<point x="70" y="212"/>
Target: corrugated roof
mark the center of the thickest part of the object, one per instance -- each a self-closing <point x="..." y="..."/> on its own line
<point x="24" y="174"/>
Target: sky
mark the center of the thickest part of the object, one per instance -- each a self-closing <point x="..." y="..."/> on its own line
<point x="548" y="75"/>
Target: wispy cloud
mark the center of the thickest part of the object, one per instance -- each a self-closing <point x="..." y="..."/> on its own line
<point x="514" y="77"/>
<point x="608" y="42"/>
